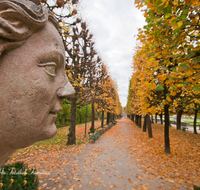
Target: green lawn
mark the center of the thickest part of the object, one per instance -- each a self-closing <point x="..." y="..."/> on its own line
<point x="191" y="121"/>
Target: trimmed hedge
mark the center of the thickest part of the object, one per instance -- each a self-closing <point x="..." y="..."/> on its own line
<point x="18" y="176"/>
<point x="196" y="188"/>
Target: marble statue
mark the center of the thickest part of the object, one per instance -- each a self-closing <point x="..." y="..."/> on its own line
<point x="33" y="81"/>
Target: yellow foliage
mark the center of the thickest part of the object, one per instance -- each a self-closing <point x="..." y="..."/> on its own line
<point x="166" y="57"/>
<point x="162" y="77"/>
<point x="168" y="99"/>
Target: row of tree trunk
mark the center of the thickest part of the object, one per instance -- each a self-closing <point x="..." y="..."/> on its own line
<point x="178" y="120"/>
<point x="110" y="117"/>
<point x="72" y="129"/>
<point x="146" y="124"/>
<point x="148" y="121"/>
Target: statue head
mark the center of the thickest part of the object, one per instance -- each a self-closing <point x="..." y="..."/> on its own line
<point x="33" y="81"/>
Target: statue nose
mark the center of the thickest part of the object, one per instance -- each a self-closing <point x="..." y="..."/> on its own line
<point x="66" y="91"/>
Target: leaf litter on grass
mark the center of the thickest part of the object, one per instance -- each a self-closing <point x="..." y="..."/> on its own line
<point x="181" y="167"/>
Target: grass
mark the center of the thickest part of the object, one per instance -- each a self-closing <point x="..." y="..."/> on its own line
<point x="191" y="120"/>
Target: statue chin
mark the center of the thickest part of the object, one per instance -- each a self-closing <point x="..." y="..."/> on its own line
<point x="50" y="133"/>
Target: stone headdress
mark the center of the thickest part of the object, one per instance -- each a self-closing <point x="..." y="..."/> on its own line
<point x="19" y="19"/>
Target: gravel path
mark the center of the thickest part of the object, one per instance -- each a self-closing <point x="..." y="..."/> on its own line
<point x="104" y="164"/>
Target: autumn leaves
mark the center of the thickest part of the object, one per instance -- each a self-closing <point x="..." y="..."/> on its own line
<point x="166" y="69"/>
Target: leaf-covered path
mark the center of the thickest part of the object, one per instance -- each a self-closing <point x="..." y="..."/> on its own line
<point x="110" y="163"/>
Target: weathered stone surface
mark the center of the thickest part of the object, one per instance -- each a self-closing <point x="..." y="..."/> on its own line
<point x="32" y="76"/>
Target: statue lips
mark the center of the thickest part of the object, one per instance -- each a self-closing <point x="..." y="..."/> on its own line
<point x="54" y="112"/>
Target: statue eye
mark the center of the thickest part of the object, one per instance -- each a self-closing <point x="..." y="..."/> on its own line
<point x="49" y="68"/>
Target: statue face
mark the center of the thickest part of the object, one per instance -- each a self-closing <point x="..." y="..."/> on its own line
<point x="30" y="78"/>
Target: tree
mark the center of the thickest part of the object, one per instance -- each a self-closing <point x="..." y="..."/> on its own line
<point x="108" y="99"/>
<point x="80" y="50"/>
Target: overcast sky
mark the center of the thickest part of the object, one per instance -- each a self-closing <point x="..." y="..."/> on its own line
<point x="114" y="24"/>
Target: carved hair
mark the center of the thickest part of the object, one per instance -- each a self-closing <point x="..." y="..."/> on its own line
<point x="19" y="19"/>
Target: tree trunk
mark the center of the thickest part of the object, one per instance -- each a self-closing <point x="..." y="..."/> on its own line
<point x="145" y="124"/>
<point x="156" y="117"/>
<point x="152" y="119"/>
<point x="139" y="121"/>
<point x="178" y="119"/>
<point x="72" y="129"/>
<point x="161" y="120"/>
<point x="148" y="120"/>
<point x="166" y="132"/>
<point x="136" y="120"/>
<point x="86" y="120"/>
<point x="108" y="117"/>
<point x="133" y="117"/>
<point x="92" y="117"/>
<point x="102" y="118"/>
<point x="195" y="120"/>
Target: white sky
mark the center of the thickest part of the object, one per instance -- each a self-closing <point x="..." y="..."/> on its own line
<point x="114" y="24"/>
